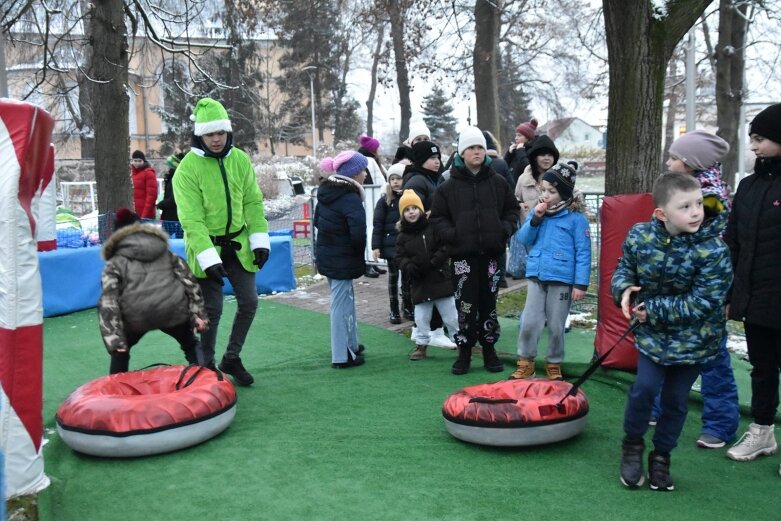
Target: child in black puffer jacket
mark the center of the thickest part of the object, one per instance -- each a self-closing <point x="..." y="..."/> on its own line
<point x="384" y="233"/>
<point x="423" y="257"/>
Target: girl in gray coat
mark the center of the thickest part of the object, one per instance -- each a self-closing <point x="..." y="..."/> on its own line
<point x="146" y="287"/>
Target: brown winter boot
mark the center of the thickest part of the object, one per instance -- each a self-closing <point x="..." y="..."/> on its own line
<point x="419" y="353"/>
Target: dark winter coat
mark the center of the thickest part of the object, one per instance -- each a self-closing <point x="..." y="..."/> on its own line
<point x="474" y="214"/>
<point x="167" y="204"/>
<point x="340" y="221"/>
<point x="144" y="286"/>
<point x="418" y="244"/>
<point x="423" y="182"/>
<point x="500" y="167"/>
<point x="685" y="280"/>
<point x="517" y="162"/>
<point x="753" y="235"/>
<point x="384" y="233"/>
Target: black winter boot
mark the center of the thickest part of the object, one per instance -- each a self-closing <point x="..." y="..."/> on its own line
<point x="491" y="361"/>
<point x="235" y="368"/>
<point x="632" y="462"/>
<point x="394" y="317"/>
<point x="464" y="360"/>
<point x="659" y="472"/>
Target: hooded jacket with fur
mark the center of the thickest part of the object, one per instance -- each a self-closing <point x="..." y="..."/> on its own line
<point x="144" y="286"/>
<point x="340" y="221"/>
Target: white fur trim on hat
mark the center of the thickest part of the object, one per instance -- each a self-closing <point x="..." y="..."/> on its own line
<point x="210" y="116"/>
<point x="470" y="136"/>
<point x="213" y="126"/>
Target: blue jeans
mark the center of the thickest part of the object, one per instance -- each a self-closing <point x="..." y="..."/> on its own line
<point x="674" y="381"/>
<point x="344" y="324"/>
<point x="246" y="292"/>
<point x="720" y="408"/>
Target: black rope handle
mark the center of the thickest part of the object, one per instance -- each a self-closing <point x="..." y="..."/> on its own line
<point x="484" y="399"/>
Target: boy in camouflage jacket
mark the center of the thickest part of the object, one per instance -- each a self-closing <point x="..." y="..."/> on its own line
<point x="677" y="275"/>
<point x="146" y="287"/>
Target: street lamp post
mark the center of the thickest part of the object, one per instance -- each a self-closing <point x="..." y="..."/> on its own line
<point x="310" y="71"/>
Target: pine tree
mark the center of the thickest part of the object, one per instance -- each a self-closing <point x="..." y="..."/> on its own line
<point x="438" y="116"/>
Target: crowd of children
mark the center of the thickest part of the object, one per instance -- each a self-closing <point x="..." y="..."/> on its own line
<point x="443" y="232"/>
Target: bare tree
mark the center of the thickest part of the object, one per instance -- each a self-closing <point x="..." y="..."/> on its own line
<point x="485" y="64"/>
<point x="730" y="71"/>
<point x="640" y="41"/>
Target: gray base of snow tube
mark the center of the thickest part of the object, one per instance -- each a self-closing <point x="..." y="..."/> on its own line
<point x="517" y="436"/>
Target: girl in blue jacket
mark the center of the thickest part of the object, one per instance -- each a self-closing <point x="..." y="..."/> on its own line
<point x="558" y="269"/>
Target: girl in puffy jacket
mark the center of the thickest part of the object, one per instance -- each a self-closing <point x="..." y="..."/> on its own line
<point x="384" y="233"/>
<point x="558" y="269"/>
<point x="146" y="287"/>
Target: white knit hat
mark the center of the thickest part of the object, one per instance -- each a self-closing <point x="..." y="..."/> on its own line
<point x="470" y="136"/>
<point x="418" y="128"/>
<point x="210" y="116"/>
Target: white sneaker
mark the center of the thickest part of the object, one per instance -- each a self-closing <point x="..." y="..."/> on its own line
<point x="758" y="440"/>
<point x="440" y="339"/>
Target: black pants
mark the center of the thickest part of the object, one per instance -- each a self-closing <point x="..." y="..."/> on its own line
<point x="764" y="353"/>
<point x="183" y="333"/>
<point x="476" y="280"/>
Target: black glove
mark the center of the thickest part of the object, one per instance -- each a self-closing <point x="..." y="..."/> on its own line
<point x="261" y="256"/>
<point x="216" y="273"/>
<point x="412" y="270"/>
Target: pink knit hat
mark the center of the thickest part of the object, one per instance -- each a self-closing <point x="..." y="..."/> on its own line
<point x="528" y="129"/>
<point x="370" y="144"/>
<point x="347" y="163"/>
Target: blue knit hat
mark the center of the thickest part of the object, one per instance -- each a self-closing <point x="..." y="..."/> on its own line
<point x="348" y="164"/>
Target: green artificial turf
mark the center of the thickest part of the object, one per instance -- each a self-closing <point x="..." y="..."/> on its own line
<point x="313" y="443"/>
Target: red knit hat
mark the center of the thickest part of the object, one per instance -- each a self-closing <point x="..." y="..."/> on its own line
<point x="528" y="129"/>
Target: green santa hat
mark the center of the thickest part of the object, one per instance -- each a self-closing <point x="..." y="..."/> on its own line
<point x="210" y="116"/>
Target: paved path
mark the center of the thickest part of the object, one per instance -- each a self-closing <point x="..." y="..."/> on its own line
<point x="371" y="299"/>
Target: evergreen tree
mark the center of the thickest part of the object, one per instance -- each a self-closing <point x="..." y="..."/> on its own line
<point x="175" y="109"/>
<point x="307" y="30"/>
<point x="513" y="100"/>
<point x="438" y="116"/>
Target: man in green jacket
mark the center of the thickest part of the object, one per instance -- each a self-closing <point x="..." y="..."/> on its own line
<point x="225" y="229"/>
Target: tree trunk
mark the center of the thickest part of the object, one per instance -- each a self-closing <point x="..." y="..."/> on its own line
<point x="639" y="46"/>
<point x="402" y="76"/>
<point x="673" y="98"/>
<point x="485" y="65"/>
<point x="373" y="87"/>
<point x="108" y="37"/>
<point x="730" y="63"/>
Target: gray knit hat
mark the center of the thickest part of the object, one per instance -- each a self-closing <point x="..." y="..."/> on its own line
<point x="699" y="150"/>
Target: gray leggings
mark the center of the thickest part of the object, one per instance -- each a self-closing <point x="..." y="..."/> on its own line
<point x="544" y="301"/>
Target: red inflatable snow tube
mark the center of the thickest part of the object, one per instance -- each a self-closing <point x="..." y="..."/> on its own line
<point x="145" y="412"/>
<point x="515" y="412"/>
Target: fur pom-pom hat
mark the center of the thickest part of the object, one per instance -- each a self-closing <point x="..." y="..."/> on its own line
<point x="369" y="143"/>
<point x="768" y="123"/>
<point x="348" y="164"/>
<point x="124" y="217"/>
<point x="528" y="129"/>
<point x="699" y="150"/>
<point x="409" y="198"/>
<point x="563" y="178"/>
<point x="210" y="116"/>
